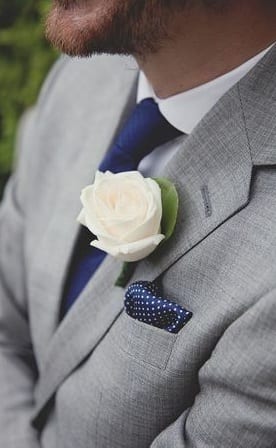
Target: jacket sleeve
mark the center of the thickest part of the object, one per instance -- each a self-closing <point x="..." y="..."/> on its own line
<point x="18" y="370"/>
<point x="17" y="363"/>
<point x="236" y="406"/>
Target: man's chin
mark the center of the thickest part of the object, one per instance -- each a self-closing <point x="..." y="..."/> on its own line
<point x="69" y="27"/>
<point x="84" y="27"/>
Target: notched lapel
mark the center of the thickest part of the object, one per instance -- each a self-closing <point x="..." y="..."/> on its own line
<point x="76" y="170"/>
<point x="212" y="173"/>
<point x="69" y="343"/>
<point x="258" y="98"/>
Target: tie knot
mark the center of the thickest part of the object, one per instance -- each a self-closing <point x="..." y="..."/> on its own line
<point x="145" y="130"/>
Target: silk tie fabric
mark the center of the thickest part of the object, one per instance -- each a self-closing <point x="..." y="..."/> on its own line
<point x="145" y="130"/>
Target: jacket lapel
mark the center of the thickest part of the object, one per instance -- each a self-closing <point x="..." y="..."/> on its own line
<point x="54" y="251"/>
<point x="71" y="340"/>
<point x="212" y="173"/>
<point x="213" y="170"/>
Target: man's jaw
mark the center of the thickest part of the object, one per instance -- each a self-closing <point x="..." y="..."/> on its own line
<point x="74" y="25"/>
<point x="85" y="27"/>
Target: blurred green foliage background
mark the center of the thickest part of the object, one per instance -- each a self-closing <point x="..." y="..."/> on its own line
<point x="25" y="58"/>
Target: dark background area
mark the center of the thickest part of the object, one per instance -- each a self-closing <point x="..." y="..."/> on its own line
<point x="25" y="58"/>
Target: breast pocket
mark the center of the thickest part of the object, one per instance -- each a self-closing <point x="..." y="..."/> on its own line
<point x="145" y="343"/>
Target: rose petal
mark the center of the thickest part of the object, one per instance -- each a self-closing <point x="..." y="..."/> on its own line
<point x="131" y="252"/>
<point x="91" y="218"/>
<point x="151" y="224"/>
<point x="121" y="219"/>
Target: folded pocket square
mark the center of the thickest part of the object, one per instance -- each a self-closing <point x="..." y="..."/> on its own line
<point x="144" y="302"/>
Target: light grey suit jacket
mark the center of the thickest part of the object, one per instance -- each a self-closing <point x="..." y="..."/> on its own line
<point x="100" y="379"/>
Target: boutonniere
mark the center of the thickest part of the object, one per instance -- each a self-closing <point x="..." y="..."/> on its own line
<point x="129" y="215"/>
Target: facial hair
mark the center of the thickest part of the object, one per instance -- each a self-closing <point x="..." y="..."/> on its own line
<point x="84" y="27"/>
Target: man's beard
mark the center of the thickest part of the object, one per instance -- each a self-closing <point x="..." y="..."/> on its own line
<point x="84" y="27"/>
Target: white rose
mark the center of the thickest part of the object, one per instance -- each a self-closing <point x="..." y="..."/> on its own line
<point x="124" y="212"/>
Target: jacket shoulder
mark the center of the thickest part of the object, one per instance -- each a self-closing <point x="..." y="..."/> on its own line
<point x="82" y="77"/>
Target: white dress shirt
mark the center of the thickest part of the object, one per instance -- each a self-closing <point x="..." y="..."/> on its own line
<point x="185" y="110"/>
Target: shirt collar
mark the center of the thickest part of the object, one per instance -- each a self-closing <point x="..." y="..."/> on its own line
<point x="185" y="110"/>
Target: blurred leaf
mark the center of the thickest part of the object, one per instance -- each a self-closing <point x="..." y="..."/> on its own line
<point x="25" y="58"/>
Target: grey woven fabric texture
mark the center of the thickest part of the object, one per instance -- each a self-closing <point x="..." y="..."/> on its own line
<point x="101" y="379"/>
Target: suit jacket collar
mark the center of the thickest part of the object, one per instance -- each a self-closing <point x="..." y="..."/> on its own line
<point x="212" y="173"/>
<point x="257" y="93"/>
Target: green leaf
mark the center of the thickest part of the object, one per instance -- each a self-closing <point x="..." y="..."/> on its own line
<point x="125" y="275"/>
<point x="170" y="205"/>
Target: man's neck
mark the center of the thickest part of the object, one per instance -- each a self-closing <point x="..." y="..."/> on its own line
<point x="206" y="44"/>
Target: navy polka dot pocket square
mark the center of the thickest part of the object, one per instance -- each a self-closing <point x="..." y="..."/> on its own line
<point x="144" y="302"/>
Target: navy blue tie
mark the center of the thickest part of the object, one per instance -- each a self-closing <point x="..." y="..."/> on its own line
<point x="145" y="130"/>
